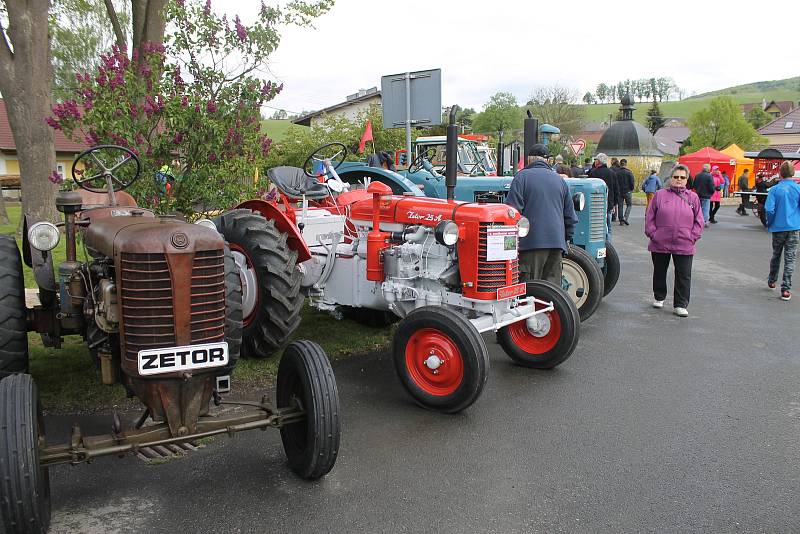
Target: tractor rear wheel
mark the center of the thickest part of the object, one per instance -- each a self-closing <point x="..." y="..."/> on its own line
<point x="441" y="359"/>
<point x="546" y="339"/>
<point x="13" y="325"/>
<point x="305" y="379"/>
<point x="582" y="280"/>
<point x="233" y="309"/>
<point x="24" y="484"/>
<point x="271" y="298"/>
<point x="611" y="269"/>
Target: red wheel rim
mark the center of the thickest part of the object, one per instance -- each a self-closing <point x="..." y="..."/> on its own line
<point x="434" y="347"/>
<point x="537" y="342"/>
<point x="249" y="318"/>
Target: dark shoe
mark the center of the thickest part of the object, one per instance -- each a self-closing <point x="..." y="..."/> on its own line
<point x="771" y="285"/>
<point x="786" y="294"/>
<point x="621" y="223"/>
<point x="713" y="221"/>
<point x="626" y="222"/>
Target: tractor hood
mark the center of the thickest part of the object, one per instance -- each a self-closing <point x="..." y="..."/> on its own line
<point x="468" y="188"/>
<point x="165" y="235"/>
<point x="432" y="211"/>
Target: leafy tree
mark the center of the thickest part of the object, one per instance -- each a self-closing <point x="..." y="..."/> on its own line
<point x="612" y="93"/>
<point x="193" y="104"/>
<point x="558" y="106"/>
<point x="279" y="114"/>
<point x="500" y="113"/>
<point x="602" y="92"/>
<point x="722" y="123"/>
<point x="621" y="90"/>
<point x="655" y="119"/>
<point x="757" y="117"/>
<point x="664" y="88"/>
<point x="589" y="98"/>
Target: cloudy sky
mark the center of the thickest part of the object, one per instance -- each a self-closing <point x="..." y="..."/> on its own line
<point x="483" y="47"/>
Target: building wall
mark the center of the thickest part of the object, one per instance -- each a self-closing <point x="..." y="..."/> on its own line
<point x="10" y="165"/>
<point x="783" y="139"/>
<point x="641" y="166"/>
<point x="350" y="112"/>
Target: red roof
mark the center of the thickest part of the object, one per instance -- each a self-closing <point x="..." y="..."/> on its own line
<point x="62" y="144"/>
<point x="695" y="160"/>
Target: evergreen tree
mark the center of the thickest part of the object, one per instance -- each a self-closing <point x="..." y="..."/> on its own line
<point x="655" y="119"/>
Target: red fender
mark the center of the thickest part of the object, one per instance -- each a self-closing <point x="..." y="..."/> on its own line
<point x="271" y="212"/>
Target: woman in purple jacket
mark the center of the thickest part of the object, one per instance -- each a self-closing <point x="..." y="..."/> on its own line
<point x="674" y="223"/>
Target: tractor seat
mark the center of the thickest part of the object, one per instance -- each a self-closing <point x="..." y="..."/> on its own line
<point x="293" y="182"/>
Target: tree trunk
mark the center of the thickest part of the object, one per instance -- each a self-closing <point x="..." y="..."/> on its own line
<point x="148" y="22"/>
<point x="3" y="212"/>
<point x="25" y="81"/>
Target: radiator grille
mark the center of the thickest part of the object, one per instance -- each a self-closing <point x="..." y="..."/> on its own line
<point x="208" y="296"/>
<point x="493" y="275"/>
<point x="147" y="313"/>
<point x="597" y="227"/>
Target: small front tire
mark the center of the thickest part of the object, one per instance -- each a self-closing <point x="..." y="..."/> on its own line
<point x="582" y="280"/>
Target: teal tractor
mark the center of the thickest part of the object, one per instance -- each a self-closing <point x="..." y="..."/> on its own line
<point x="591" y="268"/>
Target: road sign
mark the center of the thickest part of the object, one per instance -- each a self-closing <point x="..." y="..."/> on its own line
<point x="412" y="99"/>
<point x="577" y="146"/>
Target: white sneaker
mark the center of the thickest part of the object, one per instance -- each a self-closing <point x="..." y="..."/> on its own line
<point x="658" y="303"/>
<point x="681" y="312"/>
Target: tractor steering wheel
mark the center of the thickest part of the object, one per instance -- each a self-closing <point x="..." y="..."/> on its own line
<point x="104" y="167"/>
<point x="321" y="154"/>
<point x="416" y="165"/>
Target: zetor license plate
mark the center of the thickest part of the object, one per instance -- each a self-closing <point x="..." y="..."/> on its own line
<point x="511" y="291"/>
<point x="188" y="358"/>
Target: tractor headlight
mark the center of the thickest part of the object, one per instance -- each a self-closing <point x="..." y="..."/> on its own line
<point x="208" y="223"/>
<point x="446" y="233"/>
<point x="579" y="201"/>
<point x="44" y="236"/>
<point x="524" y="226"/>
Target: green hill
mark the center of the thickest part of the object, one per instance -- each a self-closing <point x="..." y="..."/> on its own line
<point x="275" y="128"/>
<point x="788" y="89"/>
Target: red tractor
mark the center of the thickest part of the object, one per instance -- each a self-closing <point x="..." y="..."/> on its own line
<point x="447" y="270"/>
<point x="159" y="303"/>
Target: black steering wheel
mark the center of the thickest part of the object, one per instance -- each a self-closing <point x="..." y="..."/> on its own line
<point x="321" y="154"/>
<point x="106" y="166"/>
<point x="416" y="165"/>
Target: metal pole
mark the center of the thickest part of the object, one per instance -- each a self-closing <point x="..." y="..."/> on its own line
<point x="451" y="151"/>
<point x="408" y="115"/>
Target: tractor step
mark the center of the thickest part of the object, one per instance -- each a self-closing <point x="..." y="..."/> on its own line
<point x="164" y="453"/>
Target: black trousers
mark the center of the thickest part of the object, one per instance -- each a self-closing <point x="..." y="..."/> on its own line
<point x="714" y="208"/>
<point x="683" y="277"/>
<point x="744" y="204"/>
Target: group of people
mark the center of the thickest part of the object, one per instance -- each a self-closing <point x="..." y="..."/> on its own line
<point x="675" y="218"/>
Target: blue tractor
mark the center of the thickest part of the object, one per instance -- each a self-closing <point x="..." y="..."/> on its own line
<point x="591" y="268"/>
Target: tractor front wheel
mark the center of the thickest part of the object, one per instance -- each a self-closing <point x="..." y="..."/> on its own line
<point x="24" y="484"/>
<point x="546" y="339"/>
<point x="233" y="309"/>
<point x="305" y="380"/>
<point x="441" y="359"/>
<point x="611" y="269"/>
<point x="582" y="280"/>
<point x="271" y="298"/>
<point x="13" y="325"/>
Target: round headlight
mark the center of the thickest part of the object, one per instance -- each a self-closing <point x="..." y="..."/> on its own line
<point x="208" y="223"/>
<point x="43" y="236"/>
<point x="524" y="226"/>
<point x="446" y="233"/>
<point x="579" y="201"/>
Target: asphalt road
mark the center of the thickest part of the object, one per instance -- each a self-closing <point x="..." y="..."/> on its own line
<point x="656" y="424"/>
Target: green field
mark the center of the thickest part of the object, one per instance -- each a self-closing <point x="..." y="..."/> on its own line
<point x="275" y="128"/>
<point x="68" y="380"/>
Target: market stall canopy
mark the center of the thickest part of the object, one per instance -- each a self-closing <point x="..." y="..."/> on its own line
<point x="712" y="156"/>
<point x="742" y="162"/>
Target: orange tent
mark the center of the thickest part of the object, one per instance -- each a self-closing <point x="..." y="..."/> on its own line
<point x="712" y="156"/>
<point x="742" y="163"/>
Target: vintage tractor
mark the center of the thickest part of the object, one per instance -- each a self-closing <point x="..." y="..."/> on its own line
<point x="591" y="268"/>
<point x="159" y="303"/>
<point x="447" y="270"/>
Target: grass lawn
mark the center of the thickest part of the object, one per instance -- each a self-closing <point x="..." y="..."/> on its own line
<point x="67" y="378"/>
<point x="275" y="128"/>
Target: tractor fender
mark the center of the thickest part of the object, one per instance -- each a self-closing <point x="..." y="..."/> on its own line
<point x="271" y="212"/>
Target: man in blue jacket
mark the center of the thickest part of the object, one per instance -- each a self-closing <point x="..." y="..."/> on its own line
<point x="783" y="221"/>
<point x="543" y="197"/>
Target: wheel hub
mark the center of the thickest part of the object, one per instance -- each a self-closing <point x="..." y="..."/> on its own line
<point x="538" y="325"/>
<point x="249" y="283"/>
<point x="574" y="282"/>
<point x="433" y="362"/>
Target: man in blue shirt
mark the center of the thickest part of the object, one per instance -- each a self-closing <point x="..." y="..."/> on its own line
<point x="783" y="221"/>
<point x="543" y="197"/>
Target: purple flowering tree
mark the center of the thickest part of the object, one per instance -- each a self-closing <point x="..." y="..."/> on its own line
<point x="191" y="106"/>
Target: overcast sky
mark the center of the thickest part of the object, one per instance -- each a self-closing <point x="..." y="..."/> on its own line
<point x="483" y="46"/>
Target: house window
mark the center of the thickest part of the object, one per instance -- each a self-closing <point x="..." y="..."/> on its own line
<point x="60" y="169"/>
<point x="789" y="124"/>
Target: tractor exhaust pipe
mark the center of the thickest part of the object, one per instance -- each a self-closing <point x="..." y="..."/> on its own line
<point x="531" y="132"/>
<point x="451" y="155"/>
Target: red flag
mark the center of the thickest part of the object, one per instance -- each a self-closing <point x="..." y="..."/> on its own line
<point x="366" y="137"/>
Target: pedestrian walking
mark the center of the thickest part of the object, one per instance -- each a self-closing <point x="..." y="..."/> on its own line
<point x="674" y="223"/>
<point x="726" y="186"/>
<point x="614" y="166"/>
<point x="744" y="185"/>
<point x="704" y="187"/>
<point x="650" y="185"/>
<point x="543" y="197"/>
<point x="601" y="170"/>
<point x="716" y="196"/>
<point x="587" y="166"/>
<point x="783" y="222"/>
<point x="626" y="184"/>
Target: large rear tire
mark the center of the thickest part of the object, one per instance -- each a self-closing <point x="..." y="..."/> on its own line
<point x="611" y="269"/>
<point x="582" y="280"/>
<point x="233" y="310"/>
<point x="441" y="359"/>
<point x="24" y="485"/>
<point x="271" y="298"/>
<point x="547" y="339"/>
<point x="13" y="324"/>
<point x="305" y="378"/>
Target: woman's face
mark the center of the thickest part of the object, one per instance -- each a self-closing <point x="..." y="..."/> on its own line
<point x="679" y="177"/>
